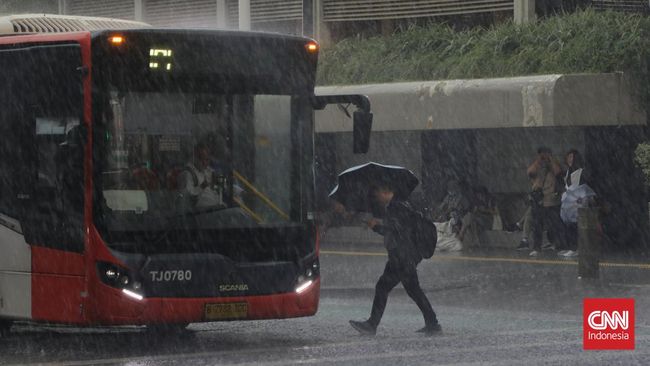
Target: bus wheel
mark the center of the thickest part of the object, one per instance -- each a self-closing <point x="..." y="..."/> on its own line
<point x="167" y="328"/>
<point x="5" y="327"/>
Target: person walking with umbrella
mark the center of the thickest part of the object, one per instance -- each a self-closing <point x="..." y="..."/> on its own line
<point x="388" y="187"/>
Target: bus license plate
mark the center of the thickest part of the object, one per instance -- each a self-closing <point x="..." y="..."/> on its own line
<point x="233" y="310"/>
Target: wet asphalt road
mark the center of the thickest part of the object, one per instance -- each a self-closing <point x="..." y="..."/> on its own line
<point x="504" y="309"/>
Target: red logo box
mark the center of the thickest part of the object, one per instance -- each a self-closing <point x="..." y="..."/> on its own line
<point x="608" y="324"/>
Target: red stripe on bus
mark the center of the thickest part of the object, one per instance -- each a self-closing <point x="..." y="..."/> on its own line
<point x="99" y="249"/>
<point x="58" y="262"/>
<point x="46" y="37"/>
<point x="57" y="298"/>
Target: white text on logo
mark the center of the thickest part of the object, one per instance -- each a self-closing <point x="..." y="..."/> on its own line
<point x="600" y="320"/>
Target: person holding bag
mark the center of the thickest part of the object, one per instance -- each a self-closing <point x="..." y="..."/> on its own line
<point x="544" y="197"/>
<point x="578" y="194"/>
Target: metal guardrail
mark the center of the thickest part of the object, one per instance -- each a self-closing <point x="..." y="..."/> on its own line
<point x="354" y="10"/>
<point x="631" y="6"/>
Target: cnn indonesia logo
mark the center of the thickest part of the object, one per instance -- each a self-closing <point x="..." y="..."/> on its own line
<point x="608" y="324"/>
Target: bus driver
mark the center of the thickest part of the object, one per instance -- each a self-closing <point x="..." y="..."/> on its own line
<point x="197" y="180"/>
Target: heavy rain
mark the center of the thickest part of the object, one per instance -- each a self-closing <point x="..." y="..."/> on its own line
<point x="349" y="182"/>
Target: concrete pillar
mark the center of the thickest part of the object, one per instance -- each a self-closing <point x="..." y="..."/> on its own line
<point x="387" y="27"/>
<point x="589" y="243"/>
<point x="524" y="11"/>
<point x="63" y="7"/>
<point x="245" y="15"/>
<point x="308" y="17"/>
<point x="222" y="14"/>
<point x="138" y="5"/>
<point x="321" y="30"/>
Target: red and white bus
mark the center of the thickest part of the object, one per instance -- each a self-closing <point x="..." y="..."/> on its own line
<point x="96" y="128"/>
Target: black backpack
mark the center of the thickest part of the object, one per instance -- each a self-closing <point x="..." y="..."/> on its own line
<point x="425" y="235"/>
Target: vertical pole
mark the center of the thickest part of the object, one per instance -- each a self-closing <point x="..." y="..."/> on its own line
<point x="63" y="7"/>
<point x="222" y="14"/>
<point x="138" y="10"/>
<point x="589" y="243"/>
<point x="321" y="31"/>
<point x="308" y="18"/>
<point x="245" y="15"/>
<point x="387" y="27"/>
<point x="524" y="11"/>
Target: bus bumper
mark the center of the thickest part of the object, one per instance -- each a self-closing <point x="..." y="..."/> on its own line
<point x="115" y="308"/>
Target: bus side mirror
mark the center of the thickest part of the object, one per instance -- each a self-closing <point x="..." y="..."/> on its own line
<point x="361" y="120"/>
<point x="362" y="125"/>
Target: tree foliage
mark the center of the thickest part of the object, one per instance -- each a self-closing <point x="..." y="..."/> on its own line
<point x="582" y="42"/>
<point x="642" y="158"/>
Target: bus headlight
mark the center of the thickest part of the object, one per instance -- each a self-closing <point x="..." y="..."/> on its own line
<point x="312" y="270"/>
<point x="302" y="287"/>
<point x="118" y="277"/>
<point x="124" y="280"/>
<point x="308" y="274"/>
<point x="111" y="274"/>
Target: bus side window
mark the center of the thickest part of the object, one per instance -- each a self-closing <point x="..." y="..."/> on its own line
<point x="53" y="183"/>
<point x="15" y="153"/>
<point x="8" y="146"/>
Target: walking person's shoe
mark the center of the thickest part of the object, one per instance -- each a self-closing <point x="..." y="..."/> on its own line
<point x="430" y="330"/>
<point x="364" y="327"/>
<point x="523" y="244"/>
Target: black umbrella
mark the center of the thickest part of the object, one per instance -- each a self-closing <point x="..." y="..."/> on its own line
<point x="353" y="188"/>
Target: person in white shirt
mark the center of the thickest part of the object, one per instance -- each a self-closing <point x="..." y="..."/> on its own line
<point x="198" y="180"/>
<point x="578" y="194"/>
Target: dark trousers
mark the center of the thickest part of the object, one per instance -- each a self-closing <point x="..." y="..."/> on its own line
<point x="547" y="218"/>
<point x="403" y="271"/>
<point x="572" y="236"/>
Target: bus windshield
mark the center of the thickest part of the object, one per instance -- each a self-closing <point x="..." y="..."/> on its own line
<point x="215" y="161"/>
<point x="202" y="138"/>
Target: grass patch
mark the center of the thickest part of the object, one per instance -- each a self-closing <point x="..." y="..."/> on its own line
<point x="582" y="42"/>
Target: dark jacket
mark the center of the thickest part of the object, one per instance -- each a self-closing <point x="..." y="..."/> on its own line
<point x="398" y="231"/>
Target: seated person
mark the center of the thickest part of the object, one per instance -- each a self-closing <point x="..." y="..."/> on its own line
<point x="451" y="217"/>
<point x="197" y="180"/>
<point x="454" y="206"/>
<point x="481" y="217"/>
